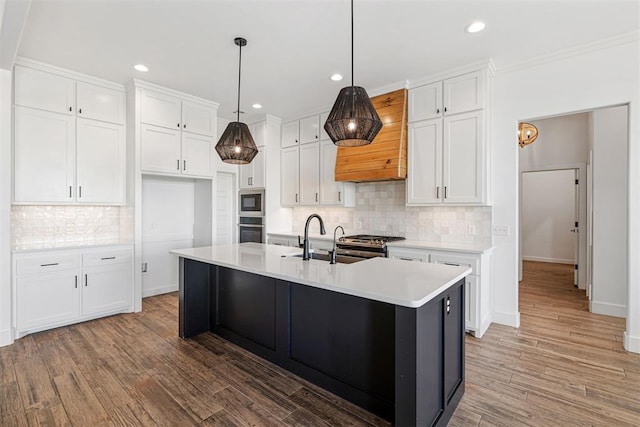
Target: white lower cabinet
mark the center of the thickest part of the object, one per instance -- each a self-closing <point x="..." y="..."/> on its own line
<point x="282" y="241"/>
<point x="477" y="284"/>
<point x="59" y="287"/>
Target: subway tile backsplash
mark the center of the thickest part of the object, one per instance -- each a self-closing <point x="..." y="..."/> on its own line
<point x="380" y="209"/>
<point x="38" y="227"/>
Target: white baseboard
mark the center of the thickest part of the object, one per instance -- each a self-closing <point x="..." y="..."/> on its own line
<point x="608" y="309"/>
<point x="552" y="260"/>
<point x="159" y="291"/>
<point x="484" y="326"/>
<point x="6" y="337"/>
<point x="631" y="344"/>
<point x="508" y="319"/>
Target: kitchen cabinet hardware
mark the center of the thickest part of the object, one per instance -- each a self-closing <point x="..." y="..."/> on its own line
<point x="178" y="164"/>
<point x="407" y="259"/>
<point x="316" y="197"/>
<point x="448" y="304"/>
<point x="339" y="196"/>
<point x="437" y="111"/>
<point x="437" y="192"/>
<point x="296" y="197"/>
<point x="108" y="257"/>
<point x="184" y="125"/>
<point x="80" y="111"/>
<point x="80" y="192"/>
<point x="178" y="124"/>
<point x="48" y="265"/>
<point x="316" y="136"/>
<point x="184" y="165"/>
<point x="75" y="279"/>
<point x="70" y="108"/>
<point x="296" y="141"/>
<point x="86" y="280"/>
<point x="445" y="109"/>
<point x="69" y="191"/>
<point x="445" y="191"/>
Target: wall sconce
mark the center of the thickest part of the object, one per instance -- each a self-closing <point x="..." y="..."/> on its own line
<point x="527" y="133"/>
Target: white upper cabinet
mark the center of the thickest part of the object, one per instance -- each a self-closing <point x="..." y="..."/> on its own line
<point x="69" y="139"/>
<point x="160" y="149"/>
<point x="101" y="153"/>
<point x="44" y="157"/>
<point x="464" y="93"/>
<point x="258" y="133"/>
<point x="332" y="192"/>
<point x="252" y="175"/>
<point x="425" y="162"/>
<point x="290" y="176"/>
<point x="425" y="102"/>
<point x="198" y="118"/>
<point x="310" y="174"/>
<point x="45" y="91"/>
<point x="161" y="110"/>
<point x="196" y="155"/>
<point x="310" y="129"/>
<point x="100" y="103"/>
<point x="323" y="119"/>
<point x="463" y="158"/>
<point x="290" y="134"/>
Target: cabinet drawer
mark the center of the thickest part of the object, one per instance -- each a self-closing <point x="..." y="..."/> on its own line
<point x="461" y="260"/>
<point x="408" y="254"/>
<point x="116" y="256"/>
<point x="46" y="263"/>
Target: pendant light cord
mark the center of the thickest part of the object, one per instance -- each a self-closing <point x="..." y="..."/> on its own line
<point x="239" y="75"/>
<point x="351" y="43"/>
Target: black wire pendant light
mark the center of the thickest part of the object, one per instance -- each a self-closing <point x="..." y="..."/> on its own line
<point x="236" y="145"/>
<point x="353" y="121"/>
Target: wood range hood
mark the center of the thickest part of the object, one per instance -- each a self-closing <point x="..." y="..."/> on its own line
<point x="386" y="157"/>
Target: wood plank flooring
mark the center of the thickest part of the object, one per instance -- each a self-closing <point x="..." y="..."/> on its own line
<point x="563" y="366"/>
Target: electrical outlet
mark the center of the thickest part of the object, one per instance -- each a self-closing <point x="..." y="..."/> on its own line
<point x="358" y="225"/>
<point x="500" y="230"/>
<point x="472" y="230"/>
<point x="144" y="267"/>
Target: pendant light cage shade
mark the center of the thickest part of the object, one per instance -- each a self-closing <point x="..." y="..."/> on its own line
<point x="353" y="121"/>
<point x="236" y="145"/>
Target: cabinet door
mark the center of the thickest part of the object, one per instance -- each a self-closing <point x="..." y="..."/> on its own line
<point x="246" y="174"/>
<point x="471" y="304"/>
<point x="453" y="336"/>
<point x="309" y="129"/>
<point x="101" y="162"/>
<point x="196" y="154"/>
<point x="309" y="174"/>
<point x="464" y="93"/>
<point x="198" y="118"/>
<point x="290" y="175"/>
<point x="290" y="134"/>
<point x="424" y="174"/>
<point x="160" y="110"/>
<point x="106" y="288"/>
<point x="257" y="132"/>
<point x="323" y="134"/>
<point x="96" y="102"/>
<point x="330" y="190"/>
<point x="463" y="158"/>
<point x="160" y="149"/>
<point x="46" y="299"/>
<point x="44" y="156"/>
<point x="46" y="91"/>
<point x="425" y="102"/>
<point x="258" y="164"/>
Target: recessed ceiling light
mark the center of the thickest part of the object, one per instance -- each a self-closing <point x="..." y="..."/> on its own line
<point x="475" y="27"/>
<point x="336" y="77"/>
<point x="257" y="106"/>
<point x="141" y="68"/>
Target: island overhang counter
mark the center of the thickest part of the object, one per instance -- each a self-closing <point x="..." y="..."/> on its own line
<point x="386" y="334"/>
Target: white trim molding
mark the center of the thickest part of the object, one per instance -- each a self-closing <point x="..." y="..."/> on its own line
<point x="631" y="343"/>
<point x="608" y="309"/>
<point x="158" y="291"/>
<point x="508" y="319"/>
<point x="544" y="259"/>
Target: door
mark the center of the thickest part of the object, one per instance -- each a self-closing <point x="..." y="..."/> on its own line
<point x="45" y="299"/>
<point x="257" y="179"/>
<point x="464" y="93"/>
<point x="160" y="149"/>
<point x="453" y="336"/>
<point x="44" y="156"/>
<point x="198" y="118"/>
<point x="309" y="174"/>
<point x="100" y="162"/>
<point x="425" y="102"/>
<point x="290" y="134"/>
<point x="196" y="154"/>
<point x="45" y="91"/>
<point x="330" y="190"/>
<point x="576" y="229"/>
<point x="462" y="158"/>
<point x="161" y="110"/>
<point x="290" y="176"/>
<point x="105" y="288"/>
<point x="309" y="129"/>
<point x="424" y="175"/>
<point x="100" y="103"/>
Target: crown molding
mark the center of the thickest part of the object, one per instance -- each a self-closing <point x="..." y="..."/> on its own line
<point x="469" y="68"/>
<point x="142" y="84"/>
<point x="620" y="39"/>
<point x="32" y="63"/>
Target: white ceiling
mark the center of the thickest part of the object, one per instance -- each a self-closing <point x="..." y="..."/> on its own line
<point x="294" y="46"/>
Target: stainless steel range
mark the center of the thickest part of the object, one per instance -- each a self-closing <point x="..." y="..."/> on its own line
<point x="364" y="245"/>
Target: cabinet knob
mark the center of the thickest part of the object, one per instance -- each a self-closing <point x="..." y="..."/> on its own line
<point x="184" y="125"/>
<point x="437" y="111"/>
<point x="184" y="165"/>
<point x="296" y="141"/>
<point x="70" y="108"/>
<point x="339" y="196"/>
<point x="445" y="109"/>
<point x="178" y="164"/>
<point x="178" y="125"/>
<point x="316" y="197"/>
<point x="316" y="136"/>
<point x="80" y="111"/>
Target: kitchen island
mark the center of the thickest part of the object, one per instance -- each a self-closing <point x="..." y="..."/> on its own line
<point x="385" y="334"/>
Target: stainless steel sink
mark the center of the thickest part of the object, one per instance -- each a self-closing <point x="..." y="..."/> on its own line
<point x="340" y="259"/>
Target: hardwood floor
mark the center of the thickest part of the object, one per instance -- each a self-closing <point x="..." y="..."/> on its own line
<point x="564" y="366"/>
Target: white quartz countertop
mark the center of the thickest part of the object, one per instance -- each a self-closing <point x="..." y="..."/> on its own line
<point x="414" y="244"/>
<point x="408" y="284"/>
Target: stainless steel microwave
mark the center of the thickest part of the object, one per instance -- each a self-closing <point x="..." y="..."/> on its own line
<point x="251" y="203"/>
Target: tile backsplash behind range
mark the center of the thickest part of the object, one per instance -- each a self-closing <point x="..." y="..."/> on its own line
<point x="36" y="227"/>
<point x="380" y="209"/>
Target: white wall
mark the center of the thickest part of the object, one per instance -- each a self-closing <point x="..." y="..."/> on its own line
<point x="5" y="207"/>
<point x="604" y="75"/>
<point x="609" y="294"/>
<point x="548" y="215"/>
<point x="167" y="223"/>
